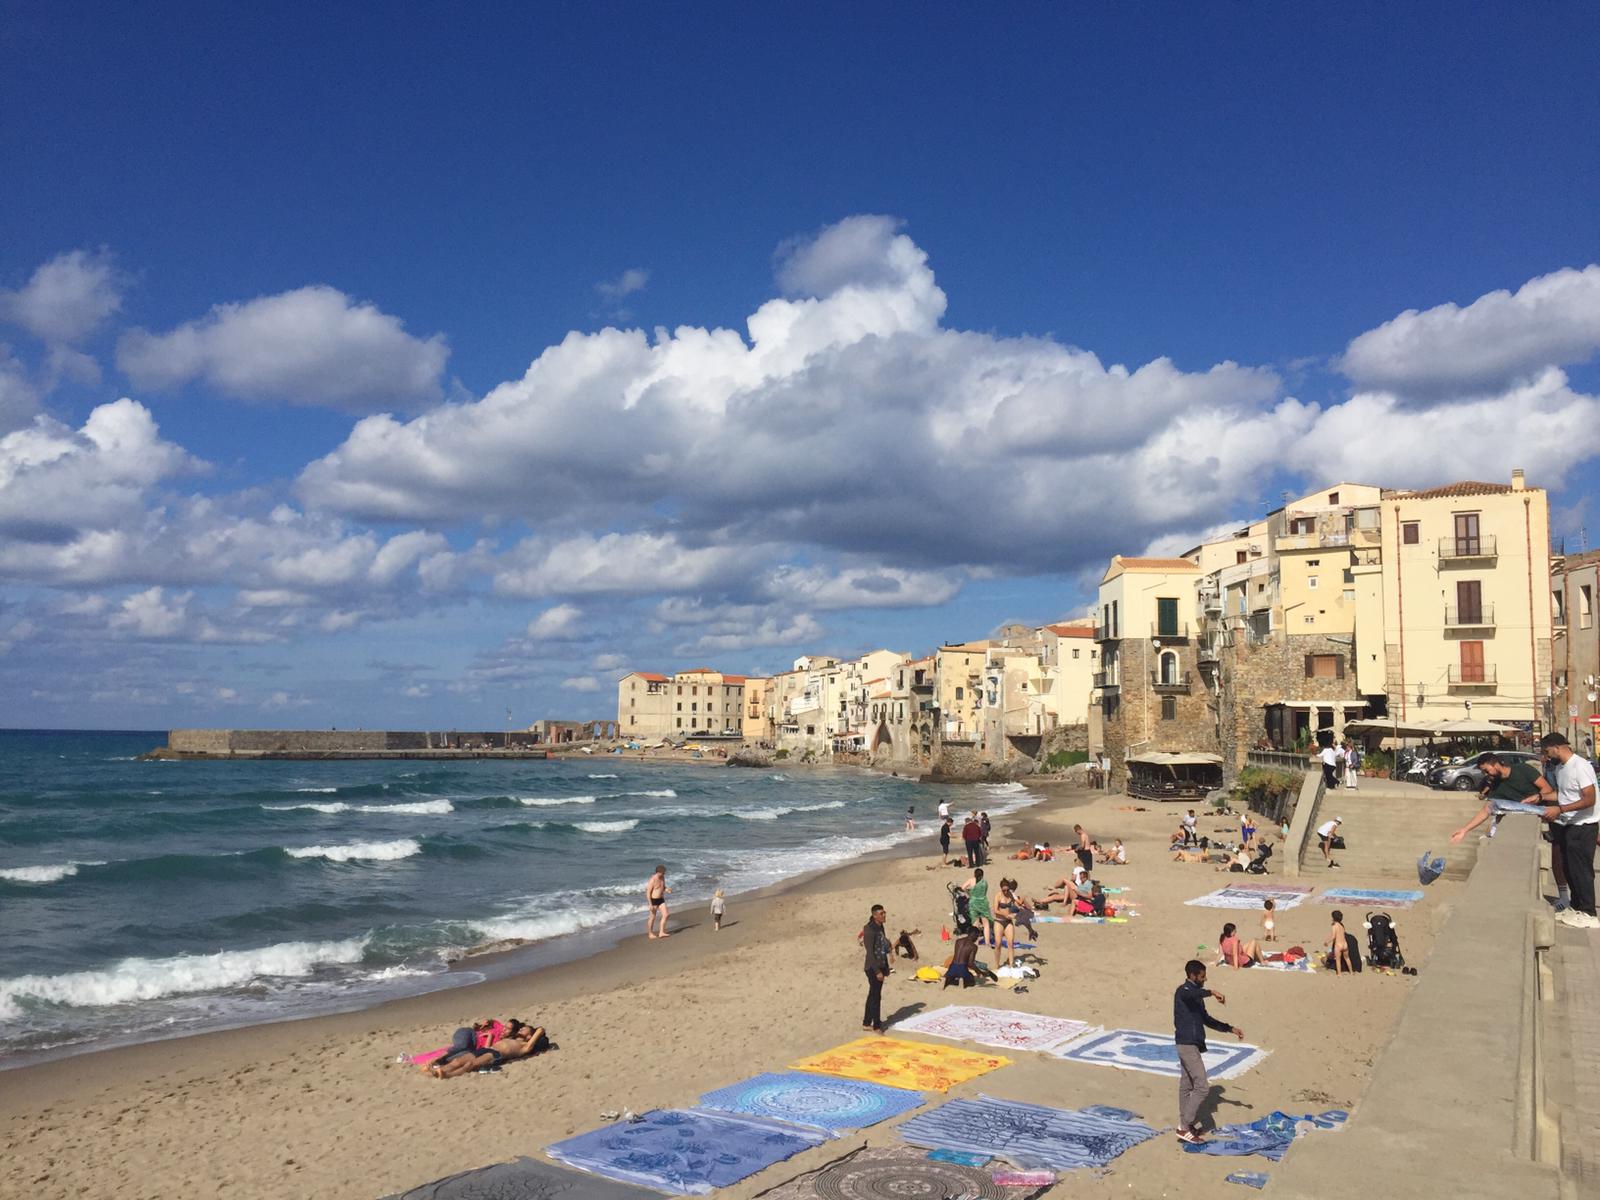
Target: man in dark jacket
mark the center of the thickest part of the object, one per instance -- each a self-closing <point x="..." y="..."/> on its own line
<point x="972" y="835"/>
<point x="878" y="949"/>
<point x="1190" y="1022"/>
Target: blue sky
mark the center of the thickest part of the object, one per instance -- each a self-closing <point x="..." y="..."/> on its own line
<point x="928" y="234"/>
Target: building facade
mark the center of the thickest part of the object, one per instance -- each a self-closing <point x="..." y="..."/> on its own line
<point x="1574" y="587"/>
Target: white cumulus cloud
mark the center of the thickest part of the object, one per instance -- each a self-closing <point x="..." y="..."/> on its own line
<point x="557" y="622"/>
<point x="311" y="346"/>
<point x="632" y="280"/>
<point x="581" y="683"/>
<point x="66" y="298"/>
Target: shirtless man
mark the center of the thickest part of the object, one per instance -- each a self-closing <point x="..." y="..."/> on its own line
<point x="655" y="892"/>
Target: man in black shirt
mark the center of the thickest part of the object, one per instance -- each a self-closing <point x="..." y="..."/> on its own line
<point x="1190" y="1022"/>
<point x="878" y="950"/>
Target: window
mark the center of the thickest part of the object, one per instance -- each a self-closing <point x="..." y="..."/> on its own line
<point x="1113" y="618"/>
<point x="1169" y="667"/>
<point x="680" y="705"/>
<point x="1311" y="582"/>
<point x="680" y="689"/>
<point x="695" y="707"/>
<point x="1302" y="525"/>
<point x="1558" y="601"/>
<point x="1313" y="562"/>
<point x="1239" y="556"/>
<point x="1349" y="596"/>
<point x="1472" y="662"/>
<point x="961" y="693"/>
<point x="1169" y="708"/>
<point x="1333" y="499"/>
<point x="1075" y="653"/>
<point x="810" y="730"/>
<point x="1585" y="606"/>
<point x="1410" y="533"/>
<point x="1093" y="654"/>
<point x="694" y="691"/>
<point x="680" y="722"/>
<point x="1167" y="616"/>
<point x="1324" y="666"/>
<point x="1469" y="601"/>
<point x="1467" y="540"/>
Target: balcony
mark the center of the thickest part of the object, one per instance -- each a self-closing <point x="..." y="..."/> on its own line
<point x="1466" y="679"/>
<point x="1481" y="617"/>
<point x="1169" y="687"/>
<point x="1210" y="648"/>
<point x="1172" y="631"/>
<point x="1105" y="633"/>
<point x="1106" y="681"/>
<point x="1456" y="549"/>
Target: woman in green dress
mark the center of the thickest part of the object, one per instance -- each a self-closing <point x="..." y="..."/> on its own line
<point x="977" y="889"/>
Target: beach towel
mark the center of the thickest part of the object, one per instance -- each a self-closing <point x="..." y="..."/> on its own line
<point x="1249" y="898"/>
<point x="1300" y="965"/>
<point x="993" y="1027"/>
<point x="524" y="1179"/>
<point x="1255" y="1179"/>
<point x="495" y="1032"/>
<point x="1131" y="1050"/>
<point x="1028" y="1135"/>
<point x="1376" y="898"/>
<point x="913" y="1065"/>
<point x="896" y="1173"/>
<point x="1269" y="1136"/>
<point x="685" y="1151"/>
<point x="819" y="1101"/>
<point x="1100" y="920"/>
<point x="1271" y="886"/>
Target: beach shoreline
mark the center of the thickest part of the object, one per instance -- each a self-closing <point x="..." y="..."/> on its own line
<point x="655" y="1024"/>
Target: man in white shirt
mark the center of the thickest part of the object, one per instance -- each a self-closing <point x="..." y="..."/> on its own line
<point x="1325" y="834"/>
<point x="944" y="809"/>
<point x="1573" y="819"/>
<point x="1332" y="763"/>
<point x="1190" y="838"/>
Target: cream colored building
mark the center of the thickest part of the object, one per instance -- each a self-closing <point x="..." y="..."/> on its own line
<point x="759" y="726"/>
<point x="958" y="673"/>
<point x="1467" y="603"/>
<point x="1068" y="659"/>
<point x="644" y="706"/>
<point x="805" y="704"/>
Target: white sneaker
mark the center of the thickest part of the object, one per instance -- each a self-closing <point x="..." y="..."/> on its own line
<point x="1574" y="919"/>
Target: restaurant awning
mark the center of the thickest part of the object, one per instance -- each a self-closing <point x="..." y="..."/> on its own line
<point x="1186" y="759"/>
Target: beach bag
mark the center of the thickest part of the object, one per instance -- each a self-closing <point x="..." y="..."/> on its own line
<point x="929" y="974"/>
<point x="1429" y="868"/>
<point x="1083" y="908"/>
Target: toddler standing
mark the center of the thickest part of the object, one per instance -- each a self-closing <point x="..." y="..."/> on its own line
<point x="718" y="907"/>
<point x="1268" y="922"/>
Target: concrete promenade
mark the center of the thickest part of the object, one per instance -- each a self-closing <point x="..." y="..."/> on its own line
<point x="1491" y="1083"/>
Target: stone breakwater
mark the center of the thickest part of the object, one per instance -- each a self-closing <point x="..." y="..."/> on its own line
<point x="345" y="743"/>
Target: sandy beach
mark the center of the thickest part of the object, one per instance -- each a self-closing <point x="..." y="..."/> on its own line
<point x="320" y="1107"/>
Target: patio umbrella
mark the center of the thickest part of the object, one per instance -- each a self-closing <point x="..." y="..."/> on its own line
<point x="1471" y="728"/>
<point x="1377" y="725"/>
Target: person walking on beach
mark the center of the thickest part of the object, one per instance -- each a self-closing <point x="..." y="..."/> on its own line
<point x="1574" y="821"/>
<point x="944" y="838"/>
<point x="719" y="905"/>
<point x="1083" y="849"/>
<point x="983" y="824"/>
<point x="972" y="836"/>
<point x="656" y="893"/>
<point x="911" y="814"/>
<point x="1326" y="832"/>
<point x="1190" y="1022"/>
<point x="877" y="965"/>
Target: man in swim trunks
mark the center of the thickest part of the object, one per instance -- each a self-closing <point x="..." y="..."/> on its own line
<point x="656" y="893"/>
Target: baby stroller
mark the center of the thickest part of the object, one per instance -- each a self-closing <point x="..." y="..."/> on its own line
<point x="960" y="918"/>
<point x="1383" y="946"/>
<point x="1258" y="865"/>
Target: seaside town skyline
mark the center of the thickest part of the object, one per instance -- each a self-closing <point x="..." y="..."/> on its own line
<point x="359" y="462"/>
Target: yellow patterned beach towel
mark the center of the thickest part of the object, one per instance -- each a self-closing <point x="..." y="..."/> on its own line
<point x="902" y="1064"/>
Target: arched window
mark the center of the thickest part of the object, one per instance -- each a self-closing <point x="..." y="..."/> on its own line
<point x="1169" y="666"/>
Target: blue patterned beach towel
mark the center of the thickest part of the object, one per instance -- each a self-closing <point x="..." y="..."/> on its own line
<point x="818" y="1101"/>
<point x="1270" y="1136"/>
<point x="1375" y="897"/>
<point x="1131" y="1050"/>
<point x="1029" y="1135"/>
<point x="685" y="1151"/>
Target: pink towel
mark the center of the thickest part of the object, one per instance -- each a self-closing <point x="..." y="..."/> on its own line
<point x="494" y="1033"/>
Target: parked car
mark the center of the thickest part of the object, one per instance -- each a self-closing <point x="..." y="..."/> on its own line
<point x="1467" y="775"/>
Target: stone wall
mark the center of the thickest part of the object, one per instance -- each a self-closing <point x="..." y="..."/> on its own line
<point x="313" y="741"/>
<point x="1064" y="737"/>
<point x="1137" y="725"/>
<point x="1254" y="676"/>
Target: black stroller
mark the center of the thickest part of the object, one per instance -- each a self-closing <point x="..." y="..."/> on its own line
<point x="960" y="918"/>
<point x="1383" y="946"/>
<point x="1258" y="864"/>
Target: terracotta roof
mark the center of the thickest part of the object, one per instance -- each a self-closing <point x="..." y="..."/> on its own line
<point x="1466" y="487"/>
<point x="651" y="676"/>
<point x="733" y="679"/>
<point x="1078" y="631"/>
<point x="1157" y="564"/>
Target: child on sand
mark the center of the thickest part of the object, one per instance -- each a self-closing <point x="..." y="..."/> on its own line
<point x="1268" y="921"/>
<point x="718" y="907"/>
<point x="1338" y="947"/>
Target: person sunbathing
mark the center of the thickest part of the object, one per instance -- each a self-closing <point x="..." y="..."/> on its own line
<point x="1238" y="861"/>
<point x="1233" y="952"/>
<point x="1117" y="855"/>
<point x="521" y="1041"/>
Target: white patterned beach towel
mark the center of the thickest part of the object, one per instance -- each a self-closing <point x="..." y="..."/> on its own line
<point x="999" y="1027"/>
<point x="1131" y="1050"/>
<point x="1247" y="898"/>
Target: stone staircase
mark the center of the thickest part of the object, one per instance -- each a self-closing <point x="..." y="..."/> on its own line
<point x="1387" y="825"/>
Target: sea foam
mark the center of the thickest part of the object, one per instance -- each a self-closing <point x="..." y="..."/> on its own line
<point x="135" y="979"/>
<point x="50" y="873"/>
<point x="362" y="851"/>
<point x="427" y="808"/>
<point x="606" y="826"/>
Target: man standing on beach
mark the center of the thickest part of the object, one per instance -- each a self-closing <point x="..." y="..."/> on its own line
<point x="1190" y="1022"/>
<point x="655" y="892"/>
<point x="972" y="835"/>
<point x="1573" y="820"/>
<point x="1084" y="850"/>
<point x="876" y="942"/>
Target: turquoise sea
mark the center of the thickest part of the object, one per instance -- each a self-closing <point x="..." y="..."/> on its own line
<point x="150" y="899"/>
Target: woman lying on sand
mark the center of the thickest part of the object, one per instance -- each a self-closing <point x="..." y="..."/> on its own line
<point x="520" y="1041"/>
